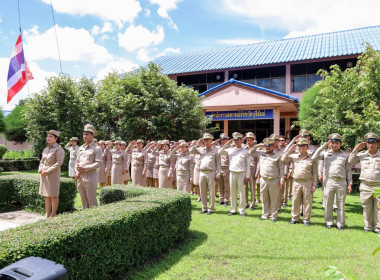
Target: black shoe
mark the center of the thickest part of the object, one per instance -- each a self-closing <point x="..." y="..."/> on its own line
<point x="262" y="219"/>
<point x="247" y="206"/>
<point x="221" y="202"/>
<point x="293" y="222"/>
<point x="301" y="214"/>
<point x="366" y="230"/>
<point x="203" y="211"/>
<point x="335" y="209"/>
<point x="340" y="228"/>
<point x="306" y="224"/>
<point x="226" y="204"/>
<point x="328" y="226"/>
<point x="231" y="213"/>
<point x="284" y="205"/>
<point x="242" y="215"/>
<point x="251" y="208"/>
<point x="209" y="212"/>
<point x="273" y="220"/>
<point x="279" y="211"/>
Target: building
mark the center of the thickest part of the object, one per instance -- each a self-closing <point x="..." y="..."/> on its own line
<point x="257" y="87"/>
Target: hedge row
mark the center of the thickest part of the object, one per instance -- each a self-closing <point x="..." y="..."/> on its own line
<point x="23" y="189"/>
<point x="21" y="164"/>
<point x="101" y="241"/>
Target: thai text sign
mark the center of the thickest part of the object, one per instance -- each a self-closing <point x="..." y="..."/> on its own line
<point x="241" y="115"/>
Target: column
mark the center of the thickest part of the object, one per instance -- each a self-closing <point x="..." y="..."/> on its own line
<point x="225" y="127"/>
<point x="226" y="76"/>
<point x="288" y="79"/>
<point x="276" y="120"/>
<point x="287" y="125"/>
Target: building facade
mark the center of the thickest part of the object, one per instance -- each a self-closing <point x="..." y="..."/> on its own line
<point x="258" y="87"/>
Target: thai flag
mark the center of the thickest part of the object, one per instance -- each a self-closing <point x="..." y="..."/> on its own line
<point x="18" y="73"/>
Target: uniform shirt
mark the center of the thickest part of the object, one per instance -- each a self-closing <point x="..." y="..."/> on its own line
<point x="224" y="160"/>
<point x="209" y="159"/>
<point x="271" y="165"/>
<point x="370" y="165"/>
<point x="73" y="151"/>
<point x="239" y="159"/>
<point x="304" y="168"/>
<point x="334" y="165"/>
<point x="139" y="158"/>
<point x="52" y="158"/>
<point x="184" y="162"/>
<point x="253" y="161"/>
<point x="89" y="157"/>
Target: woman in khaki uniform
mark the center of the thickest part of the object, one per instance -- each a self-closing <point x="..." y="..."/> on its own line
<point x="50" y="170"/>
<point x="103" y="172"/>
<point x="151" y="164"/>
<point x="73" y="148"/>
<point x="197" y="163"/>
<point x="156" y="164"/>
<point x="119" y="164"/>
<point x="165" y="172"/>
<point x="184" y="168"/>
<point x="109" y="144"/>
<point x="126" y="174"/>
<point x="139" y="162"/>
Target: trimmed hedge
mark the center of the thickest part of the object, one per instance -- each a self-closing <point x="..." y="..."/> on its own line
<point x="23" y="189"/>
<point x="21" y="164"/>
<point x="101" y="241"/>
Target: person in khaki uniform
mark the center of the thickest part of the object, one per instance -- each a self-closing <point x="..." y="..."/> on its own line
<point x="109" y="144"/>
<point x="271" y="178"/>
<point x="86" y="168"/>
<point x="165" y="172"/>
<point x="118" y="164"/>
<point x="151" y="164"/>
<point x="50" y="171"/>
<point x="139" y="162"/>
<point x="224" y="181"/>
<point x="184" y="167"/>
<point x="73" y="148"/>
<point x="286" y="194"/>
<point x="197" y="164"/>
<point x="338" y="179"/>
<point x="239" y="171"/>
<point x="156" y="163"/>
<point x="125" y="175"/>
<point x="305" y="179"/>
<point x="103" y="173"/>
<point x="250" y="138"/>
<point x="209" y="171"/>
<point x="369" y="178"/>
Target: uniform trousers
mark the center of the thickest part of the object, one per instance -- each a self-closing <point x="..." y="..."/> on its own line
<point x="183" y="181"/>
<point x="335" y="190"/>
<point x="252" y="187"/>
<point x="237" y="184"/>
<point x="207" y="183"/>
<point x="288" y="187"/>
<point x="137" y="178"/>
<point x="302" y="194"/>
<point x="371" y="207"/>
<point x="269" y="194"/>
<point x="224" y="185"/>
<point x="87" y="185"/>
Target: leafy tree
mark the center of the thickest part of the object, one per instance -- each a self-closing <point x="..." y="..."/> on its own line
<point x="2" y="123"/>
<point x="347" y="102"/>
<point x="15" y="124"/>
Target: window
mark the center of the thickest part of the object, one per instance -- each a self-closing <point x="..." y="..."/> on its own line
<point x="278" y="84"/>
<point x="265" y="83"/>
<point x="312" y="79"/>
<point x="298" y="83"/>
<point x="210" y="86"/>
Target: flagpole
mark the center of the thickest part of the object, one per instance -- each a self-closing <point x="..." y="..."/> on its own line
<point x="56" y="37"/>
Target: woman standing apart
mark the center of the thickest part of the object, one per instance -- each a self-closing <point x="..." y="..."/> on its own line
<point x="139" y="162"/>
<point x="50" y="170"/>
<point x="119" y="164"/>
<point x="165" y="172"/>
<point x="73" y="148"/>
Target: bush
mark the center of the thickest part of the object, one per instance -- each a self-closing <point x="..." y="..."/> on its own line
<point x="19" y="154"/>
<point x="101" y="241"/>
<point x="23" y="189"/>
<point x="3" y="150"/>
<point x="22" y="164"/>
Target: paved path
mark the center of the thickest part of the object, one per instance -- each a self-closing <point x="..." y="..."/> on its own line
<point x="17" y="218"/>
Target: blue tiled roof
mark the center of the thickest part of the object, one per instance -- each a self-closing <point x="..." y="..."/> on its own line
<point x="233" y="81"/>
<point x="325" y="45"/>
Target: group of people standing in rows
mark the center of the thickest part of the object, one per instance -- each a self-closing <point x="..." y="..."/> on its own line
<point x="280" y="171"/>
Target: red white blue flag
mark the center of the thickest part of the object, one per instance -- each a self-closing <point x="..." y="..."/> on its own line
<point x="18" y="73"/>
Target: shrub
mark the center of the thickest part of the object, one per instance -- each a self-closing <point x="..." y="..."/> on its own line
<point x="3" y="150"/>
<point x="23" y="189"/>
<point x="101" y="241"/>
<point x="17" y="165"/>
<point x="18" y="154"/>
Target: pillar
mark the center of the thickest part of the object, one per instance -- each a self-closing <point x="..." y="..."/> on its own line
<point x="287" y="124"/>
<point x="226" y="76"/>
<point x="276" y="120"/>
<point x="225" y="127"/>
<point x="288" y="79"/>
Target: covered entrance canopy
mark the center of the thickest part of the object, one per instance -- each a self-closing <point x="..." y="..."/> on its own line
<point x="239" y="106"/>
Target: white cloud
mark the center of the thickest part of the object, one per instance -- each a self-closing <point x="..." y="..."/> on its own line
<point x="238" y="41"/>
<point x="301" y="17"/>
<point x="120" y="65"/>
<point x="164" y="6"/>
<point x="143" y="54"/>
<point x="107" y="27"/>
<point x="74" y="45"/>
<point x="117" y="11"/>
<point x="35" y="85"/>
<point x="136" y="37"/>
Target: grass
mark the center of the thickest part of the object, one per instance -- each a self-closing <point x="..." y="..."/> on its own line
<point x="222" y="247"/>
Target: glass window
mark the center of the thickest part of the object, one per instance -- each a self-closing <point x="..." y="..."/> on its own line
<point x="211" y="85"/>
<point x="312" y="79"/>
<point x="298" y="83"/>
<point x="252" y="82"/>
<point x="278" y="84"/>
<point x="265" y="83"/>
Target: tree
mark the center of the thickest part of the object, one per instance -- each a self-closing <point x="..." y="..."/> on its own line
<point x="2" y="123"/>
<point x="15" y="124"/>
<point x="347" y="101"/>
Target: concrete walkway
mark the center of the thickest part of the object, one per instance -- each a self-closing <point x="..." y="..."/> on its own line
<point x="18" y="218"/>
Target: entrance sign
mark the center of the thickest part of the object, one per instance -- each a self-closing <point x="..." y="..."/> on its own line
<point x="241" y="115"/>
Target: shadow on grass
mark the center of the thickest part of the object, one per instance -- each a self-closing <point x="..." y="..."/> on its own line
<point x="166" y="260"/>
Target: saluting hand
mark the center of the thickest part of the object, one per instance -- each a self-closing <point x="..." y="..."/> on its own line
<point x="360" y="146"/>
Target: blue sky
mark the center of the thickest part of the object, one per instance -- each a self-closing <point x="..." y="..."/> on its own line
<point x="97" y="36"/>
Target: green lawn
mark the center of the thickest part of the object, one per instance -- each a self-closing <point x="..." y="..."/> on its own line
<point x="222" y="247"/>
